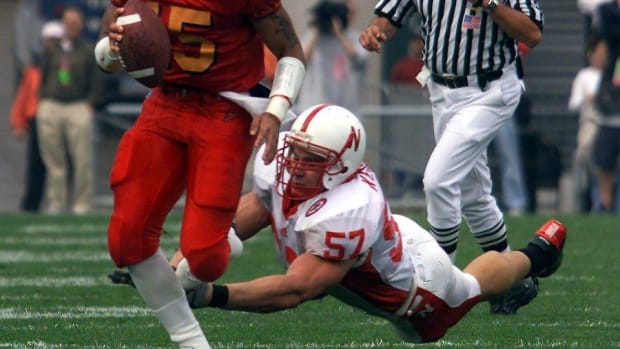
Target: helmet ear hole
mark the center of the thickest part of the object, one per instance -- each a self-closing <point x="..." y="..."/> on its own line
<point x="344" y="169"/>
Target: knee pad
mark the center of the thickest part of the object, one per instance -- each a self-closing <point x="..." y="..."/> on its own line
<point x="208" y="263"/>
<point x="127" y="243"/>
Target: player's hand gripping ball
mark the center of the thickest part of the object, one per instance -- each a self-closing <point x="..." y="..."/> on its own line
<point x="145" y="47"/>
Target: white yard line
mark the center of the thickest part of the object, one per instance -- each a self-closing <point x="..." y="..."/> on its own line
<point x="72" y="228"/>
<point x="9" y="256"/>
<point x="44" y="345"/>
<point x="311" y="345"/>
<point x="79" y="281"/>
<point x="46" y="240"/>
<point x="75" y="313"/>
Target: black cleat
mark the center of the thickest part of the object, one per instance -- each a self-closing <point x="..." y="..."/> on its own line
<point x="518" y="296"/>
<point x="121" y="277"/>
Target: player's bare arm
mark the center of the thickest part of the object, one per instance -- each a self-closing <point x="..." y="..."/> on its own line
<point x="377" y="32"/>
<point x="516" y="23"/>
<point x="251" y="216"/>
<point x="343" y="38"/>
<point x="279" y="35"/>
<point x="308" y="277"/>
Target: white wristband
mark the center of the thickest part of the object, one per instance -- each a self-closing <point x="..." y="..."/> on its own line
<point x="287" y="81"/>
<point x="278" y="106"/>
<point x="105" y="58"/>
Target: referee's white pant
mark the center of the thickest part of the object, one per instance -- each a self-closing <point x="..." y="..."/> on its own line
<point x="457" y="179"/>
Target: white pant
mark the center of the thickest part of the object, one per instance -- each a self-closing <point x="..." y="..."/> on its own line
<point x="440" y="296"/>
<point x="457" y="178"/>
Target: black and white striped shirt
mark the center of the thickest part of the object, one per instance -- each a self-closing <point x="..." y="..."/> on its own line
<point x="459" y="39"/>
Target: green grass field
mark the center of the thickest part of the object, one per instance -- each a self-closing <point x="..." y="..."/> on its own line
<point x="54" y="293"/>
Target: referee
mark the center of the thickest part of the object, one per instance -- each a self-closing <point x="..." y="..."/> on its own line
<point x="474" y="82"/>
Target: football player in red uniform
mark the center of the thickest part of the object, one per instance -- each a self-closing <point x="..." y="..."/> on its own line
<point x="189" y="138"/>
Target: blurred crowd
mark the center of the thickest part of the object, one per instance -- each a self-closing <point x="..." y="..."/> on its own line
<point x="595" y="95"/>
<point x="58" y="90"/>
<point x="58" y="87"/>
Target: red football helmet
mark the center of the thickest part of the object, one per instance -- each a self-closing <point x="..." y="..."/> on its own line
<point x="330" y="132"/>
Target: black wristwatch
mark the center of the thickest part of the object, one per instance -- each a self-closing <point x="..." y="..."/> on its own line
<point x="492" y="5"/>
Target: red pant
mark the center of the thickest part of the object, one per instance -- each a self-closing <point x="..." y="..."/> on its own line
<point x="197" y="142"/>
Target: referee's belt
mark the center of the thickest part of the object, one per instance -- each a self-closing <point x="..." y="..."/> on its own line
<point x="482" y="79"/>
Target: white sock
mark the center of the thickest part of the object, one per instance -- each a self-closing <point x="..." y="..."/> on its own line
<point x="176" y="319"/>
<point x="158" y="285"/>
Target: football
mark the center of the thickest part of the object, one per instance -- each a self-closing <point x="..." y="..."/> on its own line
<point x="145" y="47"/>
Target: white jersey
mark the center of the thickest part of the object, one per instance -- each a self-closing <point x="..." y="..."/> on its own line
<point x="400" y="272"/>
<point x="349" y="222"/>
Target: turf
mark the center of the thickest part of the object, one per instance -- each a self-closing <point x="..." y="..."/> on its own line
<point x="54" y="293"/>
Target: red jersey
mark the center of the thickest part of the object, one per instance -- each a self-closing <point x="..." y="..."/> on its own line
<point x="214" y="45"/>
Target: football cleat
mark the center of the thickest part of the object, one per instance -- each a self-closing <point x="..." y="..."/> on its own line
<point x="518" y="296"/>
<point x="121" y="277"/>
<point x="550" y="238"/>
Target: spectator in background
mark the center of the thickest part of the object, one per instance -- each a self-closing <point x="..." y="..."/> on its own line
<point x="92" y="10"/>
<point x="70" y="88"/>
<point x="23" y="120"/>
<point x="583" y="91"/>
<point x="335" y="61"/>
<point x="606" y="146"/>
<point x="588" y="9"/>
<point x="27" y="24"/>
<point x="407" y="68"/>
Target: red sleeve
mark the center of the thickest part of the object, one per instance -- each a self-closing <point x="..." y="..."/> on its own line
<point x="25" y="103"/>
<point x="261" y="8"/>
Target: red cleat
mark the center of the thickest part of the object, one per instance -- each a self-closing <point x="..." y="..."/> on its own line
<point x="550" y="238"/>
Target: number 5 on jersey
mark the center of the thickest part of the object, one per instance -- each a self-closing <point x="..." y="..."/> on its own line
<point x="186" y="25"/>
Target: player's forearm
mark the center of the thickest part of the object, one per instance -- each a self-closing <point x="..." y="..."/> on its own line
<point x="517" y="25"/>
<point x="279" y="35"/>
<point x="264" y="295"/>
